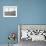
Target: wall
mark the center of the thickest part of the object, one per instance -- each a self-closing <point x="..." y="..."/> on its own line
<point x="7" y="25"/>
<point x="29" y="12"/>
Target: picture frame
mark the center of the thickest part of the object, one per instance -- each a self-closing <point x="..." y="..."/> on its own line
<point x="39" y="28"/>
<point x="9" y="11"/>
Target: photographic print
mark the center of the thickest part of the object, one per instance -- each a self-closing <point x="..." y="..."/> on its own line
<point x="29" y="34"/>
<point x="9" y="11"/>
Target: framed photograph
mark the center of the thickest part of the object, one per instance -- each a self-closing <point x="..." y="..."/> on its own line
<point x="31" y="32"/>
<point x="9" y="11"/>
